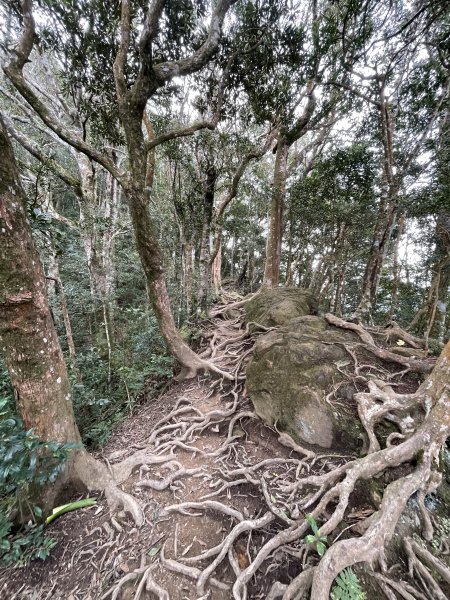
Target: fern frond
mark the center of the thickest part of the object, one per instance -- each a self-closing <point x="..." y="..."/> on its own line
<point x="347" y="587"/>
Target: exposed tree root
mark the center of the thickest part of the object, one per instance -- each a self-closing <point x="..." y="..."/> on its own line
<point x="322" y="485"/>
<point x="420" y="366"/>
<point x="233" y="305"/>
<point x="191" y="572"/>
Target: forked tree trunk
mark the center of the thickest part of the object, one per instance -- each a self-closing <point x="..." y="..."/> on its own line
<point x="28" y="337"/>
<point x="273" y="248"/>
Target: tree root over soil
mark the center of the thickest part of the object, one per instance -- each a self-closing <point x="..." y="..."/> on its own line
<point x="286" y="488"/>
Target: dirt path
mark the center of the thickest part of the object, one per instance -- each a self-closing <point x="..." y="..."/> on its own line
<point x="200" y="432"/>
<point x="222" y="496"/>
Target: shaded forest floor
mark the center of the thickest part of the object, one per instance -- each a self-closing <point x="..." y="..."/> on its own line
<point x="211" y="504"/>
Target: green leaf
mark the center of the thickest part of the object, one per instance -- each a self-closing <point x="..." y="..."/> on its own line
<point x="154" y="551"/>
<point x="37" y="511"/>
<point x="312" y="523"/>
<point x="321" y="548"/>
<point x="60" y="510"/>
<point x="310" y="539"/>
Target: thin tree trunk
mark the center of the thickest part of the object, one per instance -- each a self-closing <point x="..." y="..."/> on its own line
<point x="396" y="266"/>
<point x="204" y="262"/>
<point x="271" y="276"/>
<point x="60" y="295"/>
<point x="188" y="275"/>
<point x="217" y="271"/>
<point x="442" y="252"/>
<point x="387" y="212"/>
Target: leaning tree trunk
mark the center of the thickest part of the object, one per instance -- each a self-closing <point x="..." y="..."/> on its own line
<point x="273" y="249"/>
<point x="28" y="338"/>
<point x="32" y="351"/>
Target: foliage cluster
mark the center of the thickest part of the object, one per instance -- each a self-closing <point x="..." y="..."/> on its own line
<point x="26" y="465"/>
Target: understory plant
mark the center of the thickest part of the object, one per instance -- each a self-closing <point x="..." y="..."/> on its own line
<point x="347" y="587"/>
<point x="315" y="539"/>
<point x="27" y="464"/>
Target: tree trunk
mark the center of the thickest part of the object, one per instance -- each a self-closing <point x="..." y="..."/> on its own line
<point x="188" y="274"/>
<point x="217" y="271"/>
<point x="28" y="337"/>
<point x="441" y="261"/>
<point x="273" y="248"/>
<point x="396" y="266"/>
<point x="98" y="242"/>
<point x="205" y="263"/>
<point x="387" y="212"/>
<point x="60" y="295"/>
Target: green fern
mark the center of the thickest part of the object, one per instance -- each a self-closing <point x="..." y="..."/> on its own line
<point x="347" y="587"/>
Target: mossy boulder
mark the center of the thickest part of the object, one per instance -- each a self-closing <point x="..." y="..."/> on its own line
<point x="271" y="308"/>
<point x="291" y="377"/>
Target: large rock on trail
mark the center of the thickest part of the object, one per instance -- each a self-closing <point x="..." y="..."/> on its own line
<point x="271" y="308"/>
<point x="291" y="379"/>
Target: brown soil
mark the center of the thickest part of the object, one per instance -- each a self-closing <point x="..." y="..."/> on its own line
<point x="94" y="553"/>
<point x="91" y="554"/>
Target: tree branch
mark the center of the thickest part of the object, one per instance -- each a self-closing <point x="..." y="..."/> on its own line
<point x="121" y="57"/>
<point x="181" y="132"/>
<point x="232" y="192"/>
<point x="14" y="72"/>
<point x="36" y="151"/>
<point x="166" y="71"/>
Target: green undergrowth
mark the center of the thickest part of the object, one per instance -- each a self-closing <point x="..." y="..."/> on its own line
<point x="347" y="587"/>
<point x="26" y="465"/>
<point x="107" y="387"/>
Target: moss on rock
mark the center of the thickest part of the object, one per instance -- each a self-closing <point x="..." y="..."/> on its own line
<point x="292" y="371"/>
<point x="277" y="307"/>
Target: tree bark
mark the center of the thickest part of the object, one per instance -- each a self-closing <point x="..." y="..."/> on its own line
<point x="205" y="242"/>
<point x="217" y="271"/>
<point x="28" y="337"/>
<point x="271" y="276"/>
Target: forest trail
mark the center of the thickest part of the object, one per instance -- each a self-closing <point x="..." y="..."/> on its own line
<point x="222" y="494"/>
<point x="206" y="442"/>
